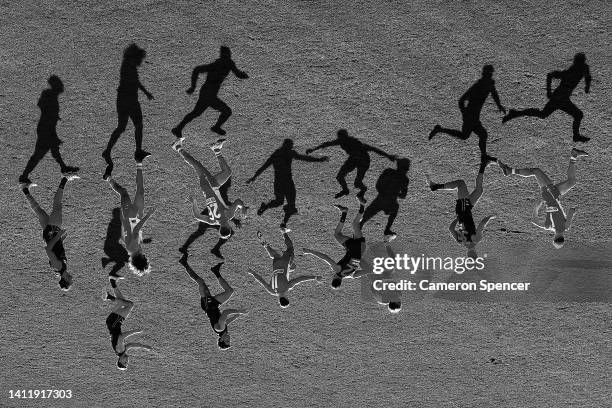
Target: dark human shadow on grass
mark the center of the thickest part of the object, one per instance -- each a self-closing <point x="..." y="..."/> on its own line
<point x="358" y="158"/>
<point x="391" y="186"/>
<point x="284" y="187"/>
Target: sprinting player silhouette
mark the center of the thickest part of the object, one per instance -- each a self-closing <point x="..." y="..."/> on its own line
<point x="462" y="228"/>
<point x="560" y="97"/>
<point x="391" y="186"/>
<point x="217" y="72"/>
<point x="53" y="234"/>
<point x="220" y="212"/>
<point x="358" y="158"/>
<point x="282" y="265"/>
<point x="284" y="187"/>
<point x="113" y="248"/>
<point x="554" y="219"/>
<point x="133" y="220"/>
<point x="355" y="246"/>
<point x="47" y="138"/>
<point x="128" y="106"/>
<point x="203" y="227"/>
<point x="475" y="98"/>
<point x="121" y="309"/>
<point x="210" y="304"/>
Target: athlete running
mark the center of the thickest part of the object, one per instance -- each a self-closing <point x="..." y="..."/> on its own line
<point x="463" y="229"/>
<point x="358" y="158"/>
<point x="210" y="304"/>
<point x="128" y="106"/>
<point x="46" y="133"/>
<point x="217" y="72"/>
<point x="355" y="246"/>
<point x="133" y="220"/>
<point x="121" y="309"/>
<point x="475" y="98"/>
<point x="555" y="218"/>
<point x="219" y="211"/>
<point x="282" y="265"/>
<point x="53" y="234"/>
<point x="560" y="97"/>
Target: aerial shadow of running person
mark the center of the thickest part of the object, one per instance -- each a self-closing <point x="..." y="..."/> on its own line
<point x="217" y="72"/>
<point x="128" y="106"/>
<point x="47" y="138"/>
<point x="560" y="98"/>
<point x="113" y="249"/>
<point x="203" y="227"/>
<point x="475" y="98"/>
<point x="391" y="186"/>
<point x="358" y="158"/>
<point x="284" y="187"/>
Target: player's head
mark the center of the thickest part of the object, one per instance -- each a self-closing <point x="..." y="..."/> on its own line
<point x="336" y="281"/>
<point x="487" y="71"/>
<point x="56" y="83"/>
<point x="283" y="302"/>
<point x="65" y="281"/>
<point x="342" y="134"/>
<point x="403" y="164"/>
<point x="122" y="362"/>
<point x="225" y="52"/>
<point x="134" y="53"/>
<point x="224" y="341"/>
<point x="580" y="58"/>
<point x="139" y="264"/>
<point x="559" y="241"/>
<point x="288" y="144"/>
<point x="225" y="231"/>
<point x="394" y="307"/>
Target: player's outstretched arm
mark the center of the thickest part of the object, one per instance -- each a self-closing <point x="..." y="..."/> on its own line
<point x="323" y="146"/>
<point x="260" y="170"/>
<point x="239" y="74"/>
<point x="194" y="76"/>
<point x="304" y="278"/>
<point x="303" y="157"/>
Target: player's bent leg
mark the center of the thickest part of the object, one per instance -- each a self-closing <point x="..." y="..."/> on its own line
<point x="225" y="172"/>
<point x="43" y="218"/>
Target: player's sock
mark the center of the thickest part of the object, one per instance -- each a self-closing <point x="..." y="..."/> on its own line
<point x="63" y="182"/>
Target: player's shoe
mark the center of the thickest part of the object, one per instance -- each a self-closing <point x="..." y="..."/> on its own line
<point x="341" y="208"/>
<point x="178" y="144"/>
<point x="581" y="139"/>
<point x="360" y="197"/>
<point x="576" y="153"/>
<point x="285" y="230"/>
<point x="342" y="193"/>
<point x="389" y="236"/>
<point x="218" y="130"/>
<point x="177" y="132"/>
<point x="505" y="168"/>
<point x="217" y="146"/>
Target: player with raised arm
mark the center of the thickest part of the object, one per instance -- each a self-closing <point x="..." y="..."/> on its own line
<point x="355" y="246"/>
<point x="358" y="158"/>
<point x="219" y="321"/>
<point x="462" y="228"/>
<point x="555" y="218"/>
<point x="217" y="71"/>
<point x="560" y="97"/>
<point x="133" y="220"/>
<point x="282" y="265"/>
<point x="121" y="309"/>
<point x="128" y="106"/>
<point x="219" y="211"/>
<point x="53" y="234"/>
<point x="475" y="98"/>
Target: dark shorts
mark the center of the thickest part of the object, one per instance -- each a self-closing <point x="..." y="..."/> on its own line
<point x="550" y="194"/>
<point x="210" y="305"/>
<point x="113" y="323"/>
<point x="463" y="209"/>
<point x="48" y="234"/>
<point x="283" y="261"/>
<point x="354" y="249"/>
<point x="471" y="123"/>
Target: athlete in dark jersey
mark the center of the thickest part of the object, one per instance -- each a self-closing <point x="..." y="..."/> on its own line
<point x="555" y="218"/>
<point x="282" y="265"/>
<point x="53" y="234"/>
<point x="219" y="212"/>
<point x="128" y="106"/>
<point x="355" y="246"/>
<point x="217" y="72"/>
<point x="47" y="138"/>
<point x="358" y="158"/>
<point x="475" y="98"/>
<point x="210" y="304"/>
<point x="560" y="97"/>
<point x="121" y="309"/>
<point x="462" y="228"/>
